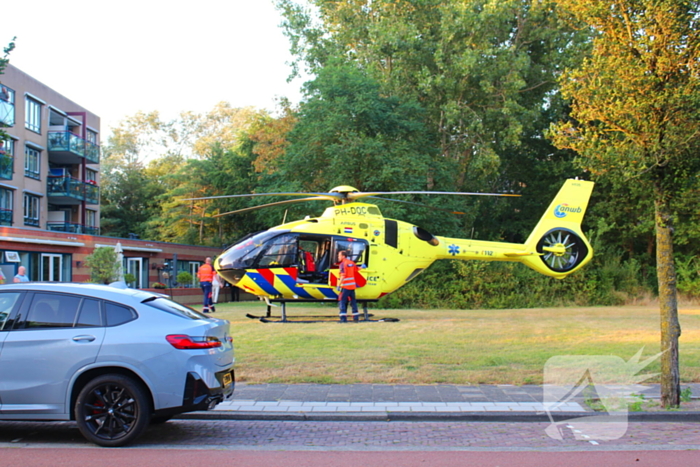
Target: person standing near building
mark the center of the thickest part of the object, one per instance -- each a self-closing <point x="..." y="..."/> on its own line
<point x="347" y="284"/>
<point x="21" y="275"/>
<point x="216" y="285"/>
<point x="205" y="274"/>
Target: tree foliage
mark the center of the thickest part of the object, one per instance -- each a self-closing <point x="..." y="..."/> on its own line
<point x="482" y="70"/>
<point x="103" y="265"/>
<point x="635" y="118"/>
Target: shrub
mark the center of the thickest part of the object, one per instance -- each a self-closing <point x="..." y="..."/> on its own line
<point x="103" y="265"/>
<point x="184" y="278"/>
<point x="129" y="278"/>
<point x="607" y="280"/>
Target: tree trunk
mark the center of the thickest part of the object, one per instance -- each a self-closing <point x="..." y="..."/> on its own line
<point x="668" y="303"/>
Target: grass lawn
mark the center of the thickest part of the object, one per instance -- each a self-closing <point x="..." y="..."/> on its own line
<point x="446" y="346"/>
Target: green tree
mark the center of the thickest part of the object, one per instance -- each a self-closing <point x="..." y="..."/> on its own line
<point x="348" y="133"/>
<point x="636" y="119"/>
<point x="219" y="171"/>
<point x="150" y="163"/>
<point x="6" y="54"/>
<point x="484" y="74"/>
<point x="128" y="196"/>
<point x="103" y="265"/>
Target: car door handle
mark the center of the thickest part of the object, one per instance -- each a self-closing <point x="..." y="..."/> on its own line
<point x="84" y="337"/>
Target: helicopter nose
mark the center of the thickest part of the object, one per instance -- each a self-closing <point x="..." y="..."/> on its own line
<point x="232" y="276"/>
<point x="225" y="266"/>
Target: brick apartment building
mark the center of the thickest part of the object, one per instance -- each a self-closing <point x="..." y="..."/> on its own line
<point x="50" y="192"/>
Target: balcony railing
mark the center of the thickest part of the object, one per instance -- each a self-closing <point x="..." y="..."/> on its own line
<point x="92" y="193"/>
<point x="5" y="216"/>
<point x="67" y="143"/>
<point x="6" y="166"/>
<point x="69" y="187"/>
<point x="72" y="228"/>
<point x="92" y="152"/>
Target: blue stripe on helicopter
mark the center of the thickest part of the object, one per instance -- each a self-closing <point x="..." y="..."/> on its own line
<point x="328" y="292"/>
<point x="290" y="282"/>
<point x="261" y="282"/>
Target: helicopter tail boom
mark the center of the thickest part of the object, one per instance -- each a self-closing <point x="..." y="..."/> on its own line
<point x="556" y="247"/>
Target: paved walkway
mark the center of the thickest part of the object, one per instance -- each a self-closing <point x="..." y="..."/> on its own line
<point x="403" y="402"/>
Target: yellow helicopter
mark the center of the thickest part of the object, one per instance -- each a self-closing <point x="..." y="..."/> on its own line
<point x="295" y="261"/>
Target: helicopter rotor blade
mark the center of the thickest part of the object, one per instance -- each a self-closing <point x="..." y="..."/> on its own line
<point x="362" y="194"/>
<point x="278" y="203"/>
<point x="326" y="196"/>
<point x="419" y="204"/>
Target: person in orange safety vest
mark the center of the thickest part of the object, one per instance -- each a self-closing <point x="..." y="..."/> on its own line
<point x="205" y="273"/>
<point x="347" y="284"/>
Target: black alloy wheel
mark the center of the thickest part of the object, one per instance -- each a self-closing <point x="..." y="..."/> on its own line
<point x="112" y="410"/>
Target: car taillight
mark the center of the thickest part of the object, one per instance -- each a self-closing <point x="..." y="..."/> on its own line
<point x="181" y="341"/>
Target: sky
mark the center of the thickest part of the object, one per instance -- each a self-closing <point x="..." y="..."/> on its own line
<point x="116" y="58"/>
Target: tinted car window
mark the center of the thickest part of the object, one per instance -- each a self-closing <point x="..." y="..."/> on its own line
<point x="52" y="311"/>
<point x="117" y="314"/>
<point x="7" y="303"/>
<point x="90" y="315"/>
<point x="174" y="308"/>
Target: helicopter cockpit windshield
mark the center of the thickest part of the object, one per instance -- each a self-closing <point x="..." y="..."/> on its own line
<point x="313" y="255"/>
<point x="245" y="253"/>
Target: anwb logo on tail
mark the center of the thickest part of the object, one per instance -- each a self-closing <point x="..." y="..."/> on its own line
<point x="562" y="209"/>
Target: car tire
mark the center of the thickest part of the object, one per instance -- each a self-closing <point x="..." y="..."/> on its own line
<point x="112" y="410"/>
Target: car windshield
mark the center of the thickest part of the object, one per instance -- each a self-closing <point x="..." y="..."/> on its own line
<point x="174" y="308"/>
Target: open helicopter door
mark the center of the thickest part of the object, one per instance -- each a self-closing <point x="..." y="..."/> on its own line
<point x="357" y="251"/>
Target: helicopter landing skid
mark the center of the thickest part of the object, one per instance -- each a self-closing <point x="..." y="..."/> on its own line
<point x="299" y="319"/>
<point x="269" y="318"/>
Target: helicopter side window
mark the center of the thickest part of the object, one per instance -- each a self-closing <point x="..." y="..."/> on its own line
<point x="281" y="251"/>
<point x="356" y="249"/>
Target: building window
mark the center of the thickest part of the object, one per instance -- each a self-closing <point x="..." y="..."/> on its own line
<point x="32" y="162"/>
<point x="90" y="218"/>
<point x="6" y="200"/>
<point x="91" y="137"/>
<point x="31" y="210"/>
<point x="7" y="106"/>
<point x="32" y="114"/>
<point x="91" y="176"/>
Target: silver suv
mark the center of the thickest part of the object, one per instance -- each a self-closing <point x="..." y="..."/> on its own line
<point x="114" y="360"/>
